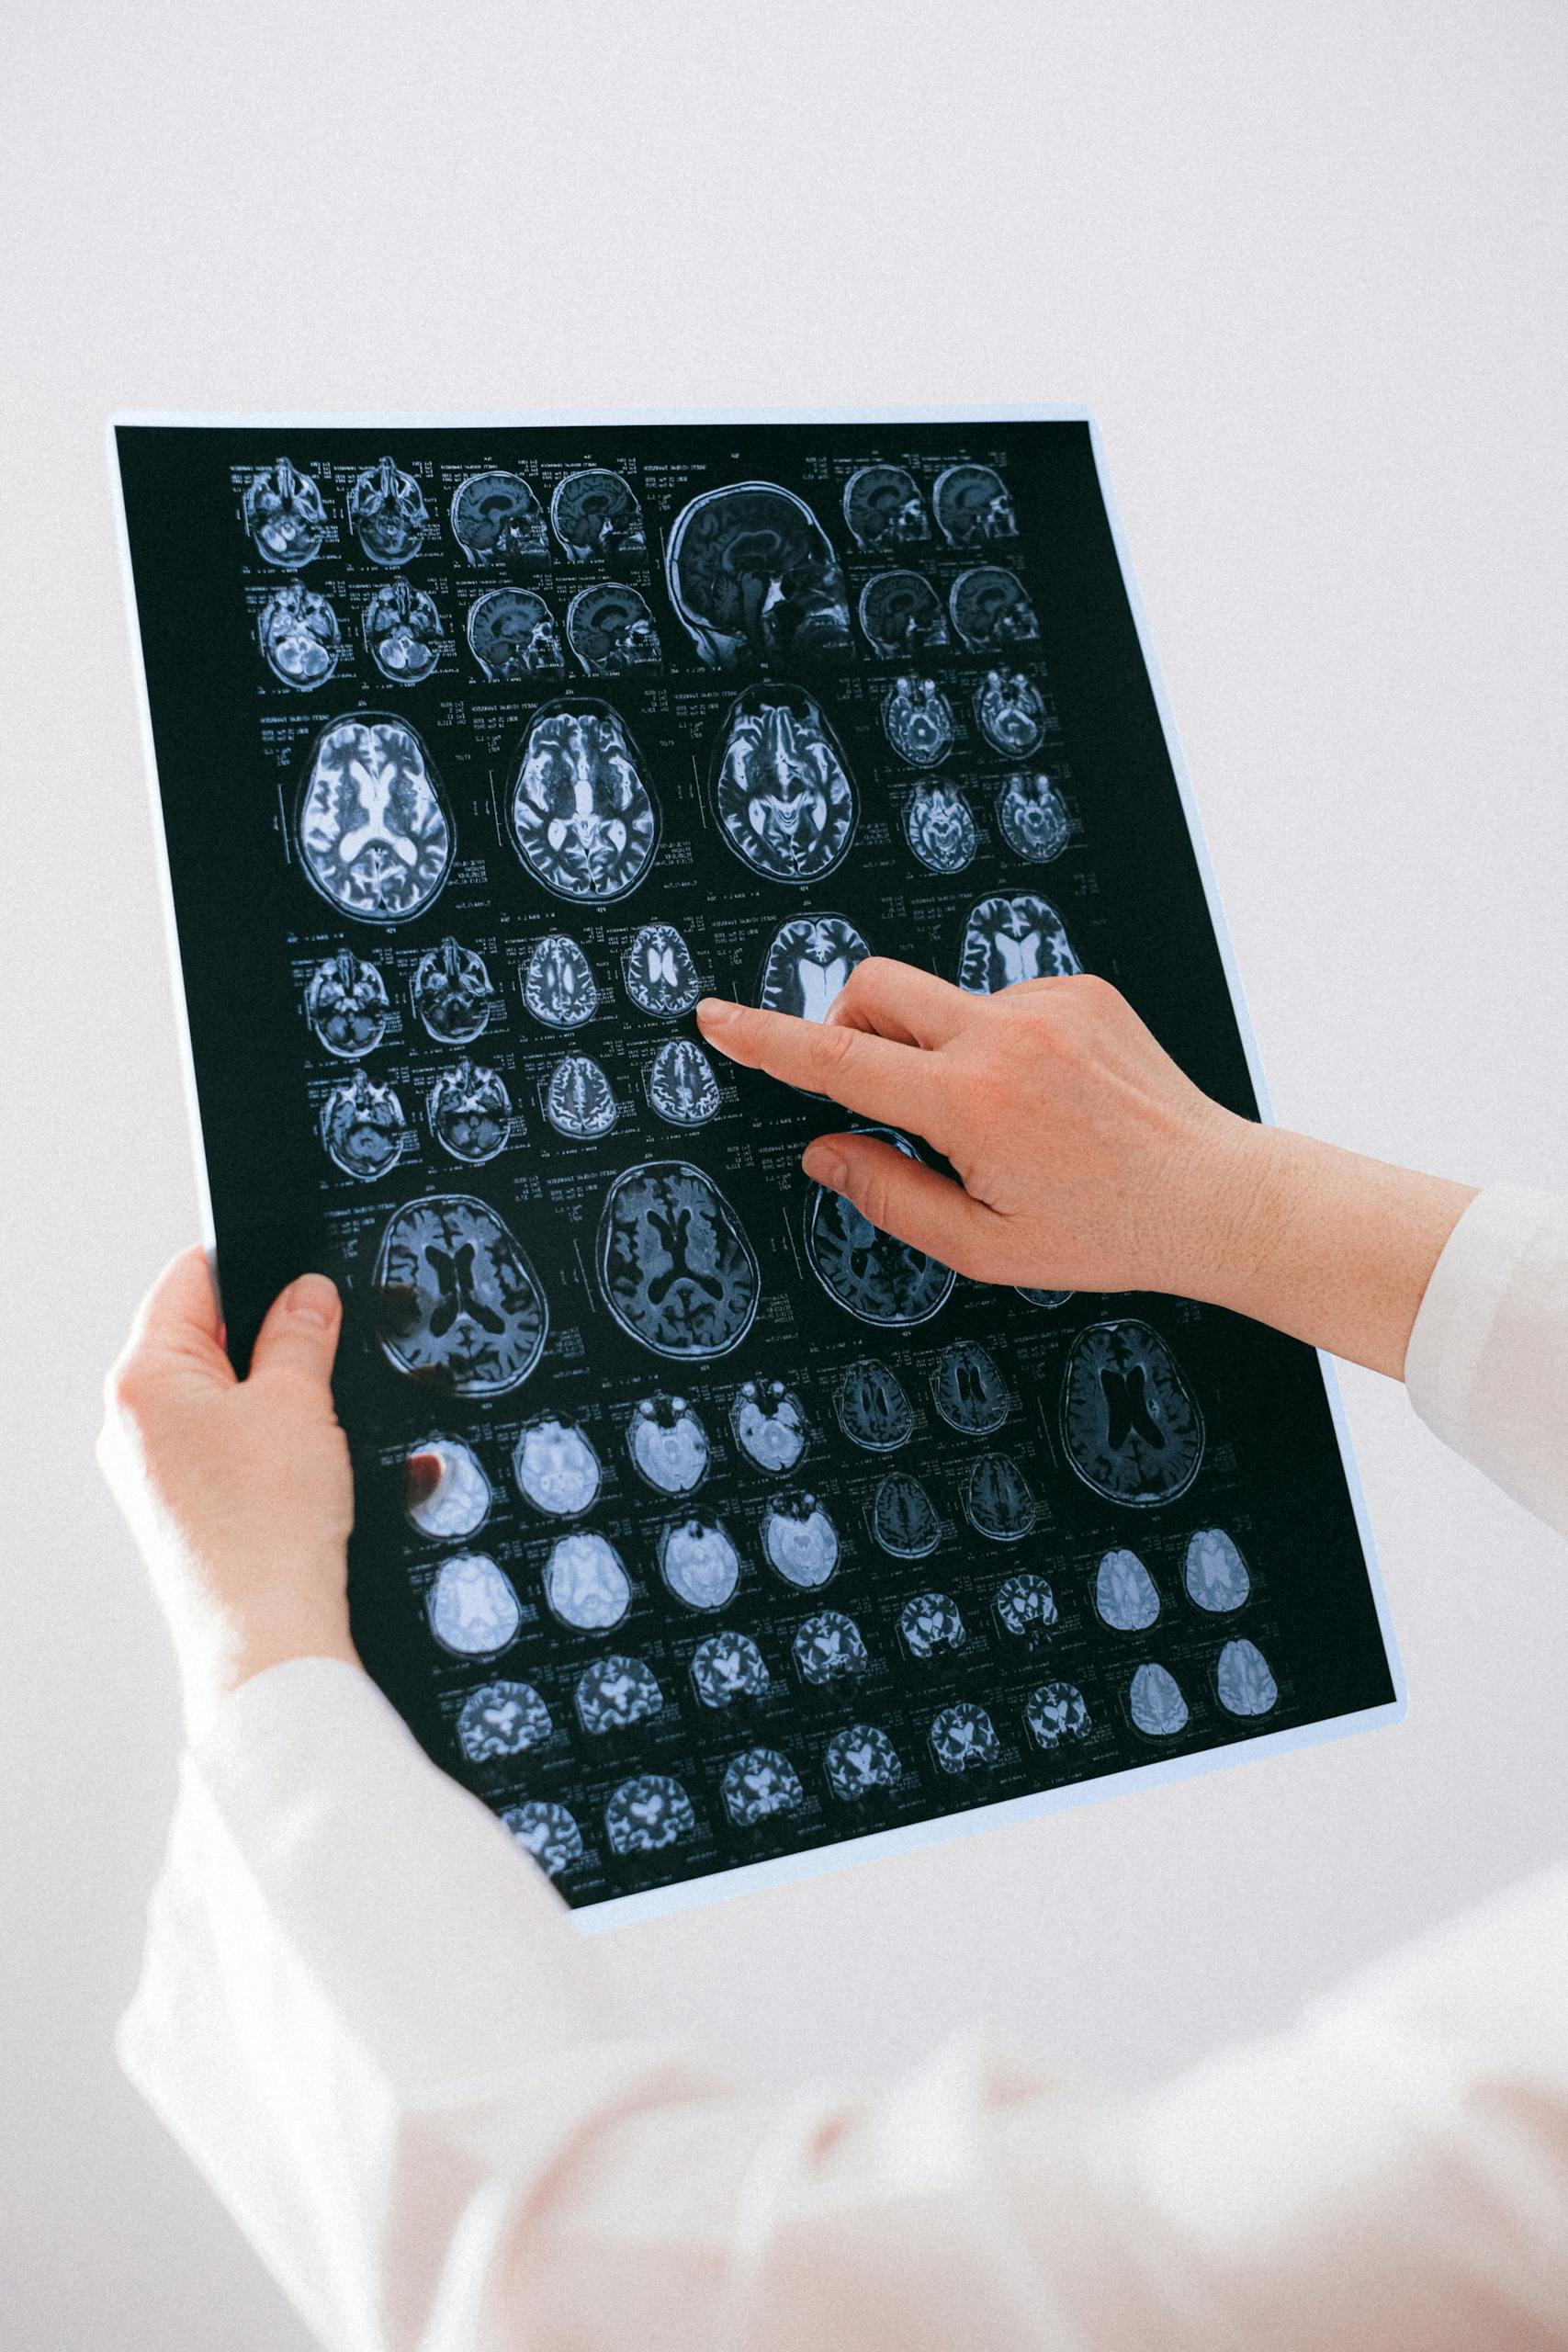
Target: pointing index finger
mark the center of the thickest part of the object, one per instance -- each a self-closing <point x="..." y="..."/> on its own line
<point x="875" y="1075"/>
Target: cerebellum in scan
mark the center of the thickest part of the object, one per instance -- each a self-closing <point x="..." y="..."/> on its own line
<point x="768" y="1423"/>
<point x="470" y="1112"/>
<point x="917" y="720"/>
<point x="1131" y="1427"/>
<point x="595" y="515"/>
<point x="781" y="793"/>
<point x="347" y="1005"/>
<point x="971" y="504"/>
<point x="939" y="826"/>
<point x="457" y="1306"/>
<point x="1008" y="939"/>
<point x="390" y="517"/>
<point x="402" y="632"/>
<point x="299" y="637"/>
<point x="582" y="815"/>
<point x="374" y="833"/>
<point x="284" y="516"/>
<point x="752" y="576"/>
<point x="991" y="610"/>
<point x="611" y="630"/>
<point x="901" y="612"/>
<point x="452" y="994"/>
<point x="1032" y="817"/>
<point x="362" y="1128"/>
<point x="1009" y="711"/>
<point x="667" y="1443"/>
<point x="512" y="634"/>
<point x="498" y="520"/>
<point x="884" y="508"/>
<point x="675" y="1267"/>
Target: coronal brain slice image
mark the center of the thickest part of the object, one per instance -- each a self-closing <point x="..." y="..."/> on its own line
<point x="299" y="637"/>
<point x="403" y="635"/>
<point x="447" y="1494"/>
<point x="808" y="960"/>
<point x="901" y="612"/>
<point x="1009" y="711"/>
<point x="1007" y="939"/>
<point x="497" y="519"/>
<point x="828" y="1648"/>
<point x="452" y="994"/>
<point x="758" y="1784"/>
<point x="578" y="1100"/>
<point x="699" y="1563"/>
<point x="472" y="1609"/>
<point x="667" y="1443"/>
<point x="962" y="1737"/>
<point x="884" y="508"/>
<point x="903" y="1517"/>
<point x="1124" y="1593"/>
<point x="939" y="826"/>
<point x="284" y="516"/>
<point x="1243" y="1683"/>
<point x="782" y="792"/>
<point x="660" y="972"/>
<point x="998" y="1501"/>
<point x="614" y="1693"/>
<point x="585" y="1584"/>
<point x="752" y="575"/>
<point x="1025" y="1605"/>
<point x="1131" y="1425"/>
<point x="457" y="1303"/>
<point x="800" y="1541"/>
<point x="968" y="1391"/>
<point x="990" y="609"/>
<point x="1155" y="1703"/>
<point x="917" y="720"/>
<point x="873" y="1276"/>
<point x="583" y="816"/>
<point x="389" y="516"/>
<point x="768" y="1423"/>
<point x="503" y="1719"/>
<point x="611" y="630"/>
<point x="726" y="1667"/>
<point x="858" y="1760"/>
<point x="648" y="1814"/>
<point x="874" y="1411"/>
<point x="596" y="513"/>
<point x="1032" y="817"/>
<point x="931" y="1625"/>
<point x="547" y="1831"/>
<point x="555" y="1467"/>
<point x="558" y="987"/>
<point x="513" y="633"/>
<point x="972" y="504"/>
<point x="681" y="1087"/>
<point x="675" y="1267"/>
<point x="470" y="1112"/>
<point x="1054" y="1711"/>
<point x="375" y="836"/>
<point x="362" y="1128"/>
<point x="1214" y="1571"/>
<point x="347" y="1006"/>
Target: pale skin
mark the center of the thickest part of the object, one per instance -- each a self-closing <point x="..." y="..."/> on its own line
<point x="1083" y="1159"/>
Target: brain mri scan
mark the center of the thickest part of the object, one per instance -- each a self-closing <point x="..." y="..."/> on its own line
<point x="900" y="613"/>
<point x="964" y="1736"/>
<point x="373" y="832"/>
<point x="446" y="1492"/>
<point x="808" y="962"/>
<point x="1032" y="817"/>
<point x="903" y="1517"/>
<point x="1011" y="939"/>
<point x="931" y="1625"/>
<point x="917" y="720"/>
<point x="998" y="1501"/>
<point x="968" y="1391"/>
<point x="667" y="1443"/>
<point x="971" y="505"/>
<point x="674" y="1265"/>
<point x="782" y="794"/>
<point x="513" y="633"/>
<point x="1215" y="1572"/>
<point x="583" y="816"/>
<point x="1055" y="1712"/>
<point x="614" y="1693"/>
<point x="496" y="519"/>
<point x="1124" y="1594"/>
<point x="758" y="1784"/>
<point x="1130" y="1424"/>
<point x="547" y="1831"/>
<point x="828" y="1649"/>
<point x="503" y="1719"/>
<point x="585" y="1585"/>
<point x="558" y="987"/>
<point x="1243" y="1683"/>
<point x="939" y="826"/>
<point x="457" y="1303"/>
<point x="452" y="994"/>
<point x="611" y="630"/>
<point x="860" y="1761"/>
<point x="661" y="976"/>
<point x="472" y="1609"/>
<point x="402" y="630"/>
<point x="555" y="1467"/>
<point x="866" y="1271"/>
<point x="390" y="517"/>
<point x="578" y="1100"/>
<point x="470" y="1111"/>
<point x="874" y="1411"/>
<point x="285" y="516"/>
<point x="299" y="637"/>
<point x="1155" y="1703"/>
<point x="347" y="1005"/>
<point x="884" y="508"/>
<point x="648" y="1814"/>
<point x="1009" y="712"/>
<point x="767" y="1421"/>
<point x="1025" y="1605"/>
<point x="800" y="1541"/>
<point x="726" y="1667"/>
<point x="991" y="610"/>
<point x="595" y="514"/>
<point x="681" y="1087"/>
<point x="1046" y="1299"/>
<point x="752" y="576"/>
<point x="699" y="1563"/>
<point x="362" y="1128"/>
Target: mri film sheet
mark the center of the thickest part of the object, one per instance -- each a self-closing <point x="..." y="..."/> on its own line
<point x="699" y="1524"/>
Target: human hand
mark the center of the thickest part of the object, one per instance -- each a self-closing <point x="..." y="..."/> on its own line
<point x="239" y="1493"/>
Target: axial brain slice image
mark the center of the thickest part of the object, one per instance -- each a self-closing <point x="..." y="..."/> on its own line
<point x="403" y="635"/>
<point x="800" y="1540"/>
<point x="375" y="836"/>
<point x="1124" y="1593"/>
<point x="300" y="640"/>
<point x="808" y="960"/>
<point x="457" y="1303"/>
<point x="387" y="511"/>
<point x="699" y="1563"/>
<point x="555" y="1467"/>
<point x="1031" y="819"/>
<point x="681" y="1087"/>
<point x="901" y="611"/>
<point x="990" y="610"/>
<point x="583" y="816"/>
<point x="503" y="1719"/>
<point x="1011" y="939"/>
<point x="667" y="1443"/>
<point x="917" y="719"/>
<point x="674" y="1265"/>
<point x="513" y="633"/>
<point x="284" y="516"/>
<point x="1130" y="1423"/>
<point x="585" y="1585"/>
<point x="970" y="503"/>
<point x="472" y="1609"/>
<point x="648" y="1814"/>
<point x="548" y="1832"/>
<point x="998" y="1501"/>
<point x="470" y="1112"/>
<point x="596" y="513"/>
<point x="558" y="987"/>
<point x="726" y="1667"/>
<point x="867" y="1271"/>
<point x="578" y="1100"/>
<point x="1215" y="1572"/>
<point x="968" y="1391"/>
<point x="447" y="1494"/>
<point x="452" y="994"/>
<point x="874" y="1411"/>
<point x="781" y="793"/>
<point x="752" y="574"/>
<point x="362" y="1128"/>
<point x="1242" y="1680"/>
<point x="1155" y="1703"/>
<point x="759" y="1784"/>
<point x="884" y="508"/>
<point x="611" y="630"/>
<point x="660" y="972"/>
<point x="903" y="1517"/>
<point x="1009" y="711"/>
<point x="347" y="1005"/>
<point x="768" y="1423"/>
<point x="939" y="826"/>
<point x="496" y="519"/>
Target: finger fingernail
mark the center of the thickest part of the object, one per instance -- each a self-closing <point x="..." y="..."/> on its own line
<point x="312" y="1299"/>
<point x="713" y="1012"/>
<point x="828" y="1167"/>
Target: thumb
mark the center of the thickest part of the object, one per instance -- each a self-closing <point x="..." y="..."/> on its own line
<point x="299" y="1340"/>
<point x="906" y="1198"/>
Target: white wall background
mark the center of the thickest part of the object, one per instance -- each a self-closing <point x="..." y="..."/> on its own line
<point x="1307" y="263"/>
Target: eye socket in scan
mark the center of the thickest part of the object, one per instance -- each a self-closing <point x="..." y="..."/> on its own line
<point x="1243" y="1682"/>
<point x="611" y="630"/>
<point x="931" y="1625"/>
<point x="512" y="634"/>
<point x="1026" y="1606"/>
<point x="452" y="994"/>
<point x="991" y="610"/>
<point x="1009" y="711"/>
<point x="595" y="515"/>
<point x="555" y="1467"/>
<point x="681" y="1087"/>
<point x="558" y="987"/>
<point x="284" y="516"/>
<point x="968" y="1391"/>
<point x="660" y="972"/>
<point x="447" y="1494"/>
<point x="860" y="1761"/>
<point x="614" y="1693"/>
<point x="457" y="1306"/>
<point x="470" y="1112"/>
<point x="675" y="1267"/>
<point x="903" y="1517"/>
<point x="800" y="1541"/>
<point x="402" y="631"/>
<point x="768" y="1423"/>
<point x="1124" y="1594"/>
<point x="828" y="1649"/>
<point x="1032" y="817"/>
<point x="300" y="637"/>
<point x="547" y="1831"/>
<point x="998" y="1501"/>
<point x="939" y="828"/>
<point x="497" y="519"/>
<point x="874" y="1411"/>
<point x="917" y="720"/>
<point x="1008" y="939"/>
<point x="1155" y="1703"/>
<point x="867" y="1271"/>
<point x="648" y="1814"/>
<point x="809" y="959"/>
<point x="1131" y="1427"/>
<point x="373" y="828"/>
<point x="347" y="1005"/>
<point x="390" y="517"/>
<point x="757" y="1785"/>
<point x="1215" y="1572"/>
<point x="901" y="612"/>
<point x="362" y="1128"/>
<point x="752" y="576"/>
<point x="963" y="1739"/>
<point x="781" y="793"/>
<point x="699" y="1562"/>
<point x="667" y="1443"/>
<point x="585" y="1585"/>
<point x="883" y="508"/>
<point x="727" y="1668"/>
<point x="579" y="1099"/>
<point x="972" y="504"/>
<point x="503" y="1719"/>
<point x="1054" y="1711"/>
<point x="472" y="1609"/>
<point x="583" y="818"/>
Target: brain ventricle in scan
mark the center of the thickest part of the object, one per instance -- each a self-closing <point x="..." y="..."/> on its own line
<point x="991" y="610"/>
<point x="611" y="630"/>
<point x="1009" y="711"/>
<point x="513" y="633"/>
<point x="884" y="508"/>
<point x="457" y="1303"/>
<point x="1008" y="939"/>
<point x="972" y="504"/>
<point x="285" y="516"/>
<point x="674" y="1265"/>
<point x="582" y="813"/>
<point x="968" y="1391"/>
<point x="661" y="976"/>
<point x="387" y="511"/>
<point x="373" y="832"/>
<point x="917" y="720"/>
<point x="759" y="1784"/>
<point x="728" y="1667"/>
<point x="300" y="637"/>
<point x="873" y="1410"/>
<point x="558" y="987"/>
<point x="596" y="513"/>
<point x="497" y="519"/>
<point x="869" y="1272"/>
<point x="901" y="612"/>
<point x="752" y="575"/>
<point x="1032" y="817"/>
<point x="1130" y="1426"/>
<point x="939" y="826"/>
<point x="809" y="958"/>
<point x="782" y="792"/>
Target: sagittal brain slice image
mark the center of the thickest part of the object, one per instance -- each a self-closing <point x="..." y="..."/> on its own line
<point x="1243" y="1683"/>
<point x="555" y="1467"/>
<point x="547" y="1831"/>
<point x="884" y="508"/>
<point x="513" y="633"/>
<point x="579" y="1099"/>
<point x="1155" y="1703"/>
<point x="1007" y="939"/>
<point x="1025" y="1605"/>
<point x="1054" y="1711"/>
<point x="596" y="514"/>
<point x="867" y="1271"/>
<point x="452" y="994"/>
<point x="582" y="815"/>
<point x="585" y="1585"/>
<point x="457" y="1303"/>
<point x="752" y="576"/>
<point x="1130" y="1426"/>
<point x="782" y="792"/>
<point x="611" y="630"/>
<point x="373" y="832"/>
<point x="299" y="637"/>
<point x="728" y="1667"/>
<point x="971" y="504"/>
<point x="1124" y="1593"/>
<point x="497" y="519"/>
<point x="998" y="1501"/>
<point x="939" y="826"/>
<point x="1032" y="817"/>
<point x="828" y="1649"/>
<point x="470" y="1112"/>
<point x="667" y="1443"/>
<point x="285" y="516"/>
<point x="614" y="1693"/>
<point x="674" y="1265"/>
<point x="808" y="960"/>
<point x="362" y="1128"/>
<point x="1214" y="1571"/>
<point x="968" y="1391"/>
<point x="917" y="720"/>
<point x="386" y="510"/>
<point x="503" y="1719"/>
<point x="472" y="1609"/>
<point x="661" y="973"/>
<point x="699" y="1563"/>
<point x="962" y="1737"/>
<point x="758" y="1784"/>
<point x="903" y="1517"/>
<point x="901" y="612"/>
<point x="858" y="1760"/>
<point x="681" y="1087"/>
<point x="1009" y="711"/>
<point x="347" y="1006"/>
<point x="800" y="1541"/>
<point x="648" y="1814"/>
<point x="991" y="610"/>
<point x="768" y="1423"/>
<point x="402" y="630"/>
<point x="558" y="987"/>
<point x="931" y="1625"/>
<point x="874" y="1411"/>
<point x="446" y="1492"/>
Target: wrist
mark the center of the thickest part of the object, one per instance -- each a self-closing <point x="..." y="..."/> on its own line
<point x="243" y="1643"/>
